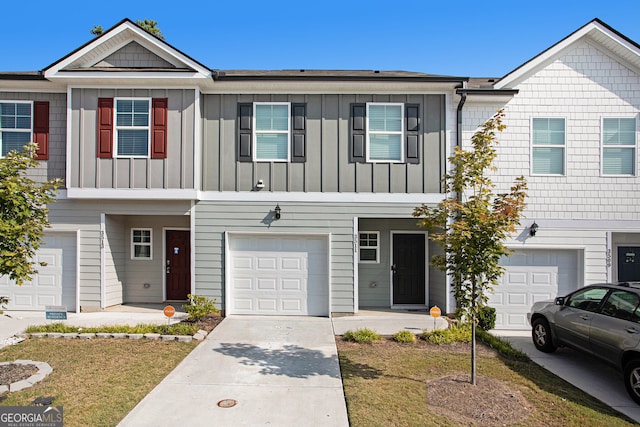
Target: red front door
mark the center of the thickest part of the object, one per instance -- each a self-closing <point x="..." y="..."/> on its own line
<point x="177" y="264"/>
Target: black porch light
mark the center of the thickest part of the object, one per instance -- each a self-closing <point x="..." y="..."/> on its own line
<point x="533" y="229"/>
<point x="277" y="210"/>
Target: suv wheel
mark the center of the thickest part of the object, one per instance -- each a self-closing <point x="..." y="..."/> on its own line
<point x="541" y="335"/>
<point x="632" y="379"/>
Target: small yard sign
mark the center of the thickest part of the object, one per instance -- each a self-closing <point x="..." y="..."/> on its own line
<point x="169" y="311"/>
<point x="435" y="311"/>
<point x="55" y="312"/>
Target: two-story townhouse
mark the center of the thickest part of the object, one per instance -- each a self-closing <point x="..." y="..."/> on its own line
<point x="572" y="132"/>
<point x="280" y="192"/>
<point x="291" y="192"/>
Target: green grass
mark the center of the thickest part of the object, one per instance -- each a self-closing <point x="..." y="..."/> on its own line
<point x="96" y="381"/>
<point x="175" y="329"/>
<point x="385" y="384"/>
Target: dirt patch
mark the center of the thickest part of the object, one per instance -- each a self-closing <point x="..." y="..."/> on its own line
<point x="14" y="372"/>
<point x="488" y="403"/>
<point x="207" y="323"/>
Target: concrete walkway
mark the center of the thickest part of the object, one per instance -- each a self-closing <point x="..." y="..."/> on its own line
<point x="280" y="371"/>
<point x="590" y="375"/>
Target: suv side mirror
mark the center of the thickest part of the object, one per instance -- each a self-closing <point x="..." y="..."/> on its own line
<point x="560" y="301"/>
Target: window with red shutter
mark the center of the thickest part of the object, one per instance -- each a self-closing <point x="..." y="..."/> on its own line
<point x="105" y="128"/>
<point x="41" y="129"/>
<point x="159" y="108"/>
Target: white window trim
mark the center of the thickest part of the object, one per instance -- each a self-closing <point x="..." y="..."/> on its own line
<point x="377" y="248"/>
<point x="634" y="147"/>
<point x="116" y="128"/>
<point x="531" y="146"/>
<point x="134" y="244"/>
<point x="401" y="133"/>
<point x="255" y="131"/>
<point x="13" y="101"/>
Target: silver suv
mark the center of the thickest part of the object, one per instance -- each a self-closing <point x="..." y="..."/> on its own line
<point x="602" y="320"/>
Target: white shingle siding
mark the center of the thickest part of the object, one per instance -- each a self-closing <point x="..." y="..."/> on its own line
<point x="582" y="85"/>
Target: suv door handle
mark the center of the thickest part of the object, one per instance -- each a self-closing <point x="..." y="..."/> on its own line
<point x="632" y="330"/>
<point x="584" y="317"/>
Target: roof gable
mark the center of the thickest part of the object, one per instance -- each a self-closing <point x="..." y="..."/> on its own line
<point x="595" y="32"/>
<point x="125" y="46"/>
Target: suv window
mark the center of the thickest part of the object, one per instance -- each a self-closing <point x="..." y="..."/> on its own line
<point x="621" y="304"/>
<point x="587" y="299"/>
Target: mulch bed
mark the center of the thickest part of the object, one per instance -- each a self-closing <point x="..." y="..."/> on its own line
<point x="14" y="372"/>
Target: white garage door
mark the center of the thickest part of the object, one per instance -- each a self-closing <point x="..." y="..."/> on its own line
<point x="532" y="275"/>
<point x="55" y="283"/>
<point x="278" y="275"/>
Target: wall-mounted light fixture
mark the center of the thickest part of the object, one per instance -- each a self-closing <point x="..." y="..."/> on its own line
<point x="533" y="229"/>
<point x="260" y="184"/>
<point x="277" y="210"/>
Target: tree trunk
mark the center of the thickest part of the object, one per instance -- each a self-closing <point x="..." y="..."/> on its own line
<point x="473" y="350"/>
<point x="473" y="333"/>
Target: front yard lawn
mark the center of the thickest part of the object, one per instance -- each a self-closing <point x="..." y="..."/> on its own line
<point x="97" y="381"/>
<point x="389" y="383"/>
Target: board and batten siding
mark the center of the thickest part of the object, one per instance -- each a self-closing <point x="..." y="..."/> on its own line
<point x="176" y="171"/>
<point x="327" y="167"/>
<point x="213" y="219"/>
<point x="54" y="167"/>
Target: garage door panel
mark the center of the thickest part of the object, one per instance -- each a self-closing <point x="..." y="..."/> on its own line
<point x="293" y="285"/>
<point x="55" y="282"/>
<point x="514" y="298"/>
<point x="285" y="274"/>
<point x="532" y="275"/>
<point x="266" y="284"/>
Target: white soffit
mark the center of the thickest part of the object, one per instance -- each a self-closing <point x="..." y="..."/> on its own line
<point x="596" y="32"/>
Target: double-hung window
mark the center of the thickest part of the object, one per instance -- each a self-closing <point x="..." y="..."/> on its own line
<point x="385" y="131"/>
<point x="618" y="146"/>
<point x="141" y="243"/>
<point x="132" y="133"/>
<point x="548" y="145"/>
<point x="15" y="125"/>
<point x="271" y="131"/>
<point x="369" y="244"/>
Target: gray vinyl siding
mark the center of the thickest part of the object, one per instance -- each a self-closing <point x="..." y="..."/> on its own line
<point x="114" y="248"/>
<point x="133" y="55"/>
<point x="327" y="168"/>
<point x="55" y="166"/>
<point x="84" y="216"/>
<point x="174" y="172"/>
<point x="139" y="272"/>
<point x="214" y="219"/>
<point x="374" y="288"/>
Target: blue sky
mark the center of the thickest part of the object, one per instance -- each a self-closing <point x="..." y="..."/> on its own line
<point x="460" y="38"/>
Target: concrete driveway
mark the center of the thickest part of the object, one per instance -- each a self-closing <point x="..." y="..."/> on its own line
<point x="588" y="374"/>
<point x="280" y="371"/>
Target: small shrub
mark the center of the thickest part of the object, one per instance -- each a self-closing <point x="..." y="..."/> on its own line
<point x="455" y="333"/>
<point x="487" y="318"/>
<point x="361" y="336"/>
<point x="199" y="307"/>
<point x="404" y="336"/>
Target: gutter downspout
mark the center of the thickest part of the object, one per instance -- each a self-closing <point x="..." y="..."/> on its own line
<point x="463" y="99"/>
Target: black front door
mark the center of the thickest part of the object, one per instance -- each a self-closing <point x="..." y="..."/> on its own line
<point x="628" y="263"/>
<point x="408" y="268"/>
